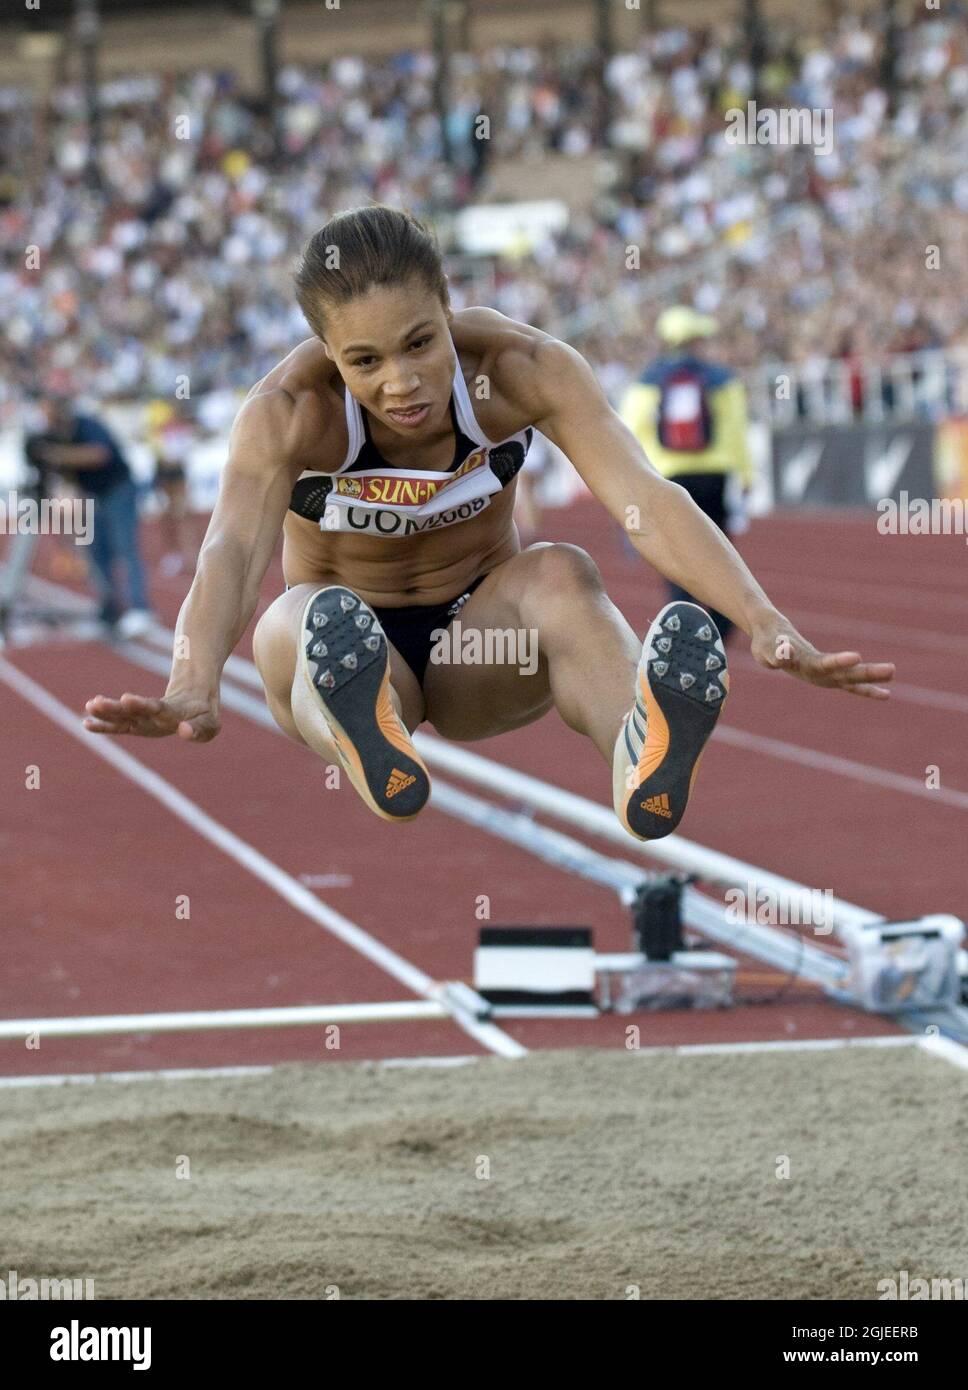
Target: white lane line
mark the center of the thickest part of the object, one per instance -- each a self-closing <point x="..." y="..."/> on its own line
<point x="930" y="639"/>
<point x="791" y="1045"/>
<point x="935" y="699"/>
<point x="947" y="700"/>
<point x="204" y="1020"/>
<point x="941" y="1047"/>
<point x="938" y="1047"/>
<point x="845" y="589"/>
<point x="406" y="1063"/>
<point x="249" y="858"/>
<point x="947" y="1049"/>
<point x="889" y="632"/>
<point x="15" y="1083"/>
<point x="842" y="767"/>
<point x="24" y="1083"/>
<point x="930" y="583"/>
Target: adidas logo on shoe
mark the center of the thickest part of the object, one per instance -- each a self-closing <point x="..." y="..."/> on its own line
<point x="398" y="782"/>
<point x="658" y="805"/>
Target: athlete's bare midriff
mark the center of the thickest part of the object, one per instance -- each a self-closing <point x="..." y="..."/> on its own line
<point x="395" y="573"/>
<point x="391" y="572"/>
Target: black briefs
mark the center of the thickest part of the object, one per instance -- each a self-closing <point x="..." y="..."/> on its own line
<point x="409" y="628"/>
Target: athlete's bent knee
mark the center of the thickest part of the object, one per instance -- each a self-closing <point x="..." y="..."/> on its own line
<point x="562" y="571"/>
<point x="562" y="568"/>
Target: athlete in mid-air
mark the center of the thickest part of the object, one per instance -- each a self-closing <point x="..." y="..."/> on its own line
<point x="386" y="449"/>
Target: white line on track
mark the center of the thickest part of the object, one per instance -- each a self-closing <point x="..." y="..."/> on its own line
<point x="22" y="1083"/>
<point x="930" y="582"/>
<point x="935" y="699"/>
<point x="198" y="1020"/>
<point x="393" y="1063"/>
<point x="948" y="644"/>
<point x="793" y="1045"/>
<point x="14" y="1083"/>
<point x="895" y="595"/>
<point x="855" y="629"/>
<point x="947" y="1049"/>
<point x="249" y="858"/>
<point x="842" y="767"/>
<point x="446" y="1063"/>
<point x="948" y="700"/>
<point x="944" y="1048"/>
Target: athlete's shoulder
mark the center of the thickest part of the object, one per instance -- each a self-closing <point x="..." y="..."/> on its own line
<point x="297" y="408"/>
<point x="307" y="373"/>
<point x="534" y="372"/>
<point x="488" y="334"/>
<point x="511" y="354"/>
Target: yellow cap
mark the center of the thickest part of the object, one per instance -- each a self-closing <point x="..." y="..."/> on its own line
<point x="680" y="324"/>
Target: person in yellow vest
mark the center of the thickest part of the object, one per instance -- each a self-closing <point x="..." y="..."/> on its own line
<point x="689" y="415"/>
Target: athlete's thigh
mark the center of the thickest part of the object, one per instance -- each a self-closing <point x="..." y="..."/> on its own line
<point x="493" y="677"/>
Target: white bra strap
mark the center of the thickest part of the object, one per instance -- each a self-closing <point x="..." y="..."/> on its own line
<point x="354" y="429"/>
<point x="465" y="411"/>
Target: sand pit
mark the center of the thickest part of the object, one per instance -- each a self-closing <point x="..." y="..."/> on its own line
<point x="577" y="1175"/>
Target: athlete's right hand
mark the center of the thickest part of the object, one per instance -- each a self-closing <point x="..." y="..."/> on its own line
<point x="193" y="718"/>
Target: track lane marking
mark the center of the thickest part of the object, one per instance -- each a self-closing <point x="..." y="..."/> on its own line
<point x="880" y="593"/>
<point x="841" y="767"/>
<point x="249" y="858"/>
<point x="948" y="700"/>
<point x="88" y="1078"/>
<point x="944" y="1048"/>
<point x="947" y="1049"/>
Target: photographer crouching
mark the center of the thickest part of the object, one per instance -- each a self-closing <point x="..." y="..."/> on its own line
<point x="86" y="454"/>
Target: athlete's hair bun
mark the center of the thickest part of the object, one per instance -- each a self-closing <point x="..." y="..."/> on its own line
<point x="361" y="248"/>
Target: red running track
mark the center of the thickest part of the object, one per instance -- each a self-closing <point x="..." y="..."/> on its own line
<point x="96" y="867"/>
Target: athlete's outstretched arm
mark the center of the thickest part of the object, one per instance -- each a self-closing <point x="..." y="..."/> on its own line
<point x="254" y="493"/>
<point x="666" y="526"/>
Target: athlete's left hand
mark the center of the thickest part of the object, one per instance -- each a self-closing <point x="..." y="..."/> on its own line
<point x="777" y="645"/>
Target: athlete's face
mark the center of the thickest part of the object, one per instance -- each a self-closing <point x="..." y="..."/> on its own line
<point x="394" y="351"/>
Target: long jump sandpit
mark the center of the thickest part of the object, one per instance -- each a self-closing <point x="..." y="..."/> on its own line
<point x="566" y="1175"/>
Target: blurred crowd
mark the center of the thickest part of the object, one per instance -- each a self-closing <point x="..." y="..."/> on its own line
<point x="176" y="265"/>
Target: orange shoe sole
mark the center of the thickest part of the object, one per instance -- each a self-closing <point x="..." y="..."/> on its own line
<point x="344" y="662"/>
<point x="683" y="684"/>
